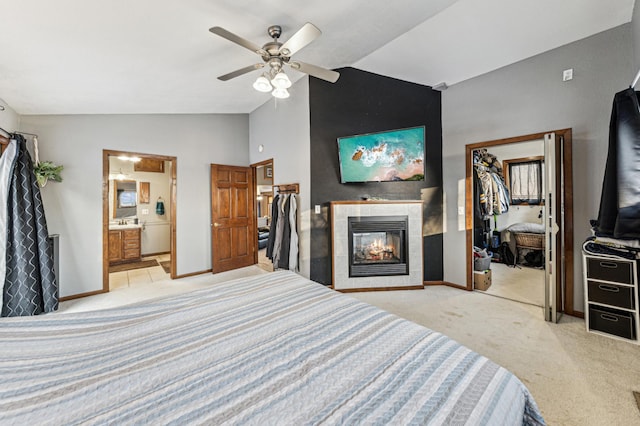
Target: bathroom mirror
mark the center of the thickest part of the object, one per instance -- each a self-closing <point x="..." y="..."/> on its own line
<point x="125" y="197"/>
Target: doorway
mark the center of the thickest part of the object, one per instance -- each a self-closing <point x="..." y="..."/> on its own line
<point x="550" y="287"/>
<point x="139" y="218"/>
<point x="263" y="172"/>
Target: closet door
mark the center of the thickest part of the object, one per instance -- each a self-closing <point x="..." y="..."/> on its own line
<point x="233" y="231"/>
<point x="554" y="253"/>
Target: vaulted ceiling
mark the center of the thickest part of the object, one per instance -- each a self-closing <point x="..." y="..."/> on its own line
<point x="157" y="56"/>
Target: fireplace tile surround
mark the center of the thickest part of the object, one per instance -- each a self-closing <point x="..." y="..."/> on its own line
<point x="340" y="213"/>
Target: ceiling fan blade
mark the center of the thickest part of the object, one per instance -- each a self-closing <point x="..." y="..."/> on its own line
<point x="237" y="40"/>
<point x="239" y="72"/>
<point x="316" y="71"/>
<point x="300" y="39"/>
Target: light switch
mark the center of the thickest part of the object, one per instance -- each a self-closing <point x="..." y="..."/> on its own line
<point x="318" y="210"/>
<point x="145" y="211"/>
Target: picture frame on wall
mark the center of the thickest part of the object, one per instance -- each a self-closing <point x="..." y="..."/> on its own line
<point x="388" y="156"/>
<point x="268" y="172"/>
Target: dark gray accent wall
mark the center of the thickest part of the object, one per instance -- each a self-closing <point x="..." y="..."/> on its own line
<point x="361" y="102"/>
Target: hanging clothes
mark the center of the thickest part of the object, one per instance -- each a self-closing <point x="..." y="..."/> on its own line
<point x="272" y="228"/>
<point x="282" y="246"/>
<point x="494" y="195"/>
<point x="6" y="167"/>
<point x="30" y="286"/>
<point x="619" y="212"/>
<point x="293" y="223"/>
<point x="279" y="230"/>
<point x="285" y="242"/>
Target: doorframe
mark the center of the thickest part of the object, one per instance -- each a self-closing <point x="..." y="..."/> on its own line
<point x="567" y="182"/>
<point x="106" y="153"/>
<point x="255" y="166"/>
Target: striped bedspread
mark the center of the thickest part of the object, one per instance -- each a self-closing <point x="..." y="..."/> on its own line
<point x="271" y="349"/>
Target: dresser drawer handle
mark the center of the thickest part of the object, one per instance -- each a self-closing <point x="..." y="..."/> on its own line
<point x="611" y="265"/>
<point x="609" y="317"/>
<point x="610" y="288"/>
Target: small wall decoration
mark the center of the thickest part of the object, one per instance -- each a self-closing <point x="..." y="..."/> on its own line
<point x="268" y="172"/>
<point x="395" y="155"/>
<point x="144" y="194"/>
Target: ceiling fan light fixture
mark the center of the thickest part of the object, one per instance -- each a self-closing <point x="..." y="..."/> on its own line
<point x="280" y="93"/>
<point x="262" y="84"/>
<point x="281" y="81"/>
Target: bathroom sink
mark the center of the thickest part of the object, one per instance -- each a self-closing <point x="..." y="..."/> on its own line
<point x="127" y="226"/>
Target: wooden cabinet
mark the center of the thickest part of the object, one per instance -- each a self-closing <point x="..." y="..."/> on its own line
<point x="149" y="165"/>
<point x="124" y="245"/>
<point x="611" y="296"/>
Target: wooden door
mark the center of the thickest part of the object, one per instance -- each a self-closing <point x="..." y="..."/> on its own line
<point x="232" y="218"/>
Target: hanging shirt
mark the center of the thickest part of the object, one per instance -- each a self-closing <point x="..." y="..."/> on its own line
<point x="6" y="165"/>
<point x="279" y="230"/>
<point x="293" y="250"/>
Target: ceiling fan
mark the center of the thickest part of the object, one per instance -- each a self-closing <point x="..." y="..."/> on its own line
<point x="275" y="55"/>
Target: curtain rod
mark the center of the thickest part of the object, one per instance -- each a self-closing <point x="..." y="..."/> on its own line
<point x="20" y="133"/>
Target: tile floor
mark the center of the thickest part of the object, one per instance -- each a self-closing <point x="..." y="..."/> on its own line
<point x="134" y="277"/>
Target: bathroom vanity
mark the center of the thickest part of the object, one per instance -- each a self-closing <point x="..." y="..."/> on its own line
<point x="124" y="243"/>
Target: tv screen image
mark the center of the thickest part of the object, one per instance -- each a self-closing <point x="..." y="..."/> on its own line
<point x="394" y="155"/>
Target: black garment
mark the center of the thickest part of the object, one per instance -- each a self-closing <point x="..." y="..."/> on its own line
<point x="30" y="286"/>
<point x="285" y="245"/>
<point x="272" y="230"/>
<point x="619" y="213"/>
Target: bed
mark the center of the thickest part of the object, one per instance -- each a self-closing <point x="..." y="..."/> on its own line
<point x="270" y="349"/>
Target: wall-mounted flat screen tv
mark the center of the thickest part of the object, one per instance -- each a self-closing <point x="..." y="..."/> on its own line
<point x="393" y="155"/>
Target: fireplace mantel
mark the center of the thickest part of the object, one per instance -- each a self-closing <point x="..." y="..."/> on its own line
<point x="341" y="211"/>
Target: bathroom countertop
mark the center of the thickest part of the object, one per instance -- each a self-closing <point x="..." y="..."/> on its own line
<point x="127" y="226"/>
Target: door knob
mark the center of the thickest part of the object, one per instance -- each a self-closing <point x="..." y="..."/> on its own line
<point x="216" y="224"/>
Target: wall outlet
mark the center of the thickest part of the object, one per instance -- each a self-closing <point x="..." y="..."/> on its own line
<point x="145" y="211"/>
<point x="318" y="209"/>
<point x="567" y="74"/>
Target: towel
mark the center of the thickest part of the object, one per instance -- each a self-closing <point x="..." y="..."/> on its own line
<point x="160" y="208"/>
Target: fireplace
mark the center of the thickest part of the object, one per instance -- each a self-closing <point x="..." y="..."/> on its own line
<point x="378" y="246"/>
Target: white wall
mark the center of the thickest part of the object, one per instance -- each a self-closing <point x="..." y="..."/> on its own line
<point x="635" y="28"/>
<point x="530" y="97"/>
<point x="74" y="207"/>
<point x="9" y="119"/>
<point x="283" y="128"/>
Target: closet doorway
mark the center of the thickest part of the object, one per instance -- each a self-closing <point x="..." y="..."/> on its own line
<point x="537" y="228"/>
<point x="138" y="219"/>
<point x="263" y="176"/>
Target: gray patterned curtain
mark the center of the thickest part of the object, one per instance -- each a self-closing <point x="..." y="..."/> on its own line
<point x="30" y="286"/>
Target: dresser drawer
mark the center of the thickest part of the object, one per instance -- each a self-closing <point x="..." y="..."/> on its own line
<point x="610" y="270"/>
<point x="612" y="321"/>
<point x="611" y="294"/>
<point x="131" y="234"/>
<point x="131" y="244"/>
<point x="131" y="254"/>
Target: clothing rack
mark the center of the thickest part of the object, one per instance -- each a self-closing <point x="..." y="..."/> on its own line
<point x="290" y="188"/>
<point x="7" y="135"/>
